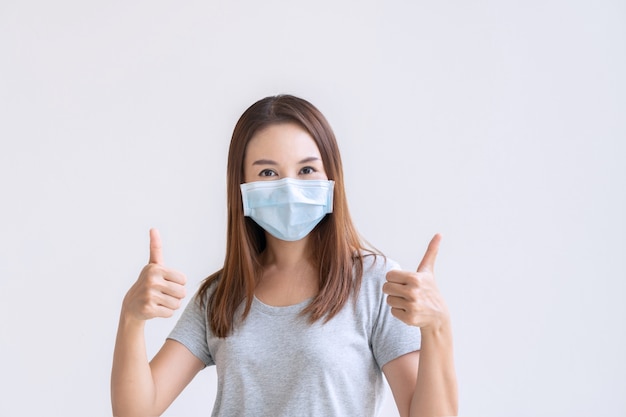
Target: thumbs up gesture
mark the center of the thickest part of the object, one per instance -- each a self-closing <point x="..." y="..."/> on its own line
<point x="158" y="291"/>
<point x="413" y="296"/>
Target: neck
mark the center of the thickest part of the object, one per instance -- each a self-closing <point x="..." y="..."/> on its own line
<point x="289" y="274"/>
<point x="281" y="254"/>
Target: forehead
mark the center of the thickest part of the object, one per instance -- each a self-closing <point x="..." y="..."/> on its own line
<point x="282" y="140"/>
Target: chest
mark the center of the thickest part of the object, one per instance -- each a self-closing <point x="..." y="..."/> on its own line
<point x="280" y="341"/>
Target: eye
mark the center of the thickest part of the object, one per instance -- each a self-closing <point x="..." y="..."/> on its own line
<point x="307" y="170"/>
<point x="267" y="173"/>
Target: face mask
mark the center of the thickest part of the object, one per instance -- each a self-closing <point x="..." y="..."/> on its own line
<point x="288" y="208"/>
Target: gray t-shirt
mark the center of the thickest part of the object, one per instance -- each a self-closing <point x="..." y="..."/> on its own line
<point x="277" y="364"/>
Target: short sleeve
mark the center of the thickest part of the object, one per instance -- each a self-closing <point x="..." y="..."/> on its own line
<point x="191" y="331"/>
<point x="391" y="337"/>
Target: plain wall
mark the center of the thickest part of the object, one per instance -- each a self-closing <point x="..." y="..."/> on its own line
<point x="500" y="124"/>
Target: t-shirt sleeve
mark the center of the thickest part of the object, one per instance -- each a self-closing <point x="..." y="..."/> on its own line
<point x="391" y="337"/>
<point x="191" y="331"/>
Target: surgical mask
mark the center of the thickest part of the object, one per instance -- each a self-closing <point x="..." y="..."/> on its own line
<point x="288" y="209"/>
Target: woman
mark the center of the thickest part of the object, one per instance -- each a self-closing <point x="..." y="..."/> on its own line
<point x="303" y="317"/>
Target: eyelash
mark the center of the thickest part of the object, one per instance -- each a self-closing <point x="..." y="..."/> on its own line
<point x="271" y="172"/>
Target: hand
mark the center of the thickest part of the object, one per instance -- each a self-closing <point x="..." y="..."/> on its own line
<point x="158" y="291"/>
<point x="413" y="296"/>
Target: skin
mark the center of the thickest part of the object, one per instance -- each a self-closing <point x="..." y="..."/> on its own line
<point x="423" y="383"/>
<point x="276" y="152"/>
<point x="139" y="387"/>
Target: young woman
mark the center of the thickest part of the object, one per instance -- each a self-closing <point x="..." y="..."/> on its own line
<point x="303" y="319"/>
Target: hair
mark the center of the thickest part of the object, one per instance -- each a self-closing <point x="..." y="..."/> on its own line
<point x="335" y="245"/>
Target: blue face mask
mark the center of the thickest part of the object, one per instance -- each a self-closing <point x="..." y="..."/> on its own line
<point x="288" y="209"/>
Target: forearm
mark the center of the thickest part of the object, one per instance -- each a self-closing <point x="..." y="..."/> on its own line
<point x="436" y="389"/>
<point x="132" y="387"/>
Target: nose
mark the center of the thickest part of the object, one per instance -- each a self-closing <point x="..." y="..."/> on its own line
<point x="292" y="175"/>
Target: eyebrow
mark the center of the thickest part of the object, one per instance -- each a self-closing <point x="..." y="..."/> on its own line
<point x="270" y="162"/>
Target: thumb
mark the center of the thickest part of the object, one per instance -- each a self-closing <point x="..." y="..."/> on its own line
<point x="428" y="261"/>
<point x="156" y="254"/>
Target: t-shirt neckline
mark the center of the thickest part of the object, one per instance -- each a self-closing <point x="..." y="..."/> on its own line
<point x="282" y="310"/>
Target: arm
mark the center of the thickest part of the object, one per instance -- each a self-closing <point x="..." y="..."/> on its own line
<point x="423" y="383"/>
<point x="142" y="388"/>
<point x="139" y="387"/>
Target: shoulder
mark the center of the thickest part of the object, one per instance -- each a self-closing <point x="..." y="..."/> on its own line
<point x="197" y="307"/>
<point x="390" y="338"/>
<point x="376" y="266"/>
<point x="207" y="288"/>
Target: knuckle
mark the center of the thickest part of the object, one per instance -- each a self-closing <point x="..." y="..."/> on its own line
<point x="150" y="269"/>
<point x="152" y="280"/>
<point x="146" y="310"/>
<point x="413" y="295"/>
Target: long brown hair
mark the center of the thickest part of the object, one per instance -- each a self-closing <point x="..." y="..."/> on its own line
<point x="335" y="245"/>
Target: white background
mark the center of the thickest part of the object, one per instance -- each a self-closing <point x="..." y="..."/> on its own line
<point x="501" y="124"/>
